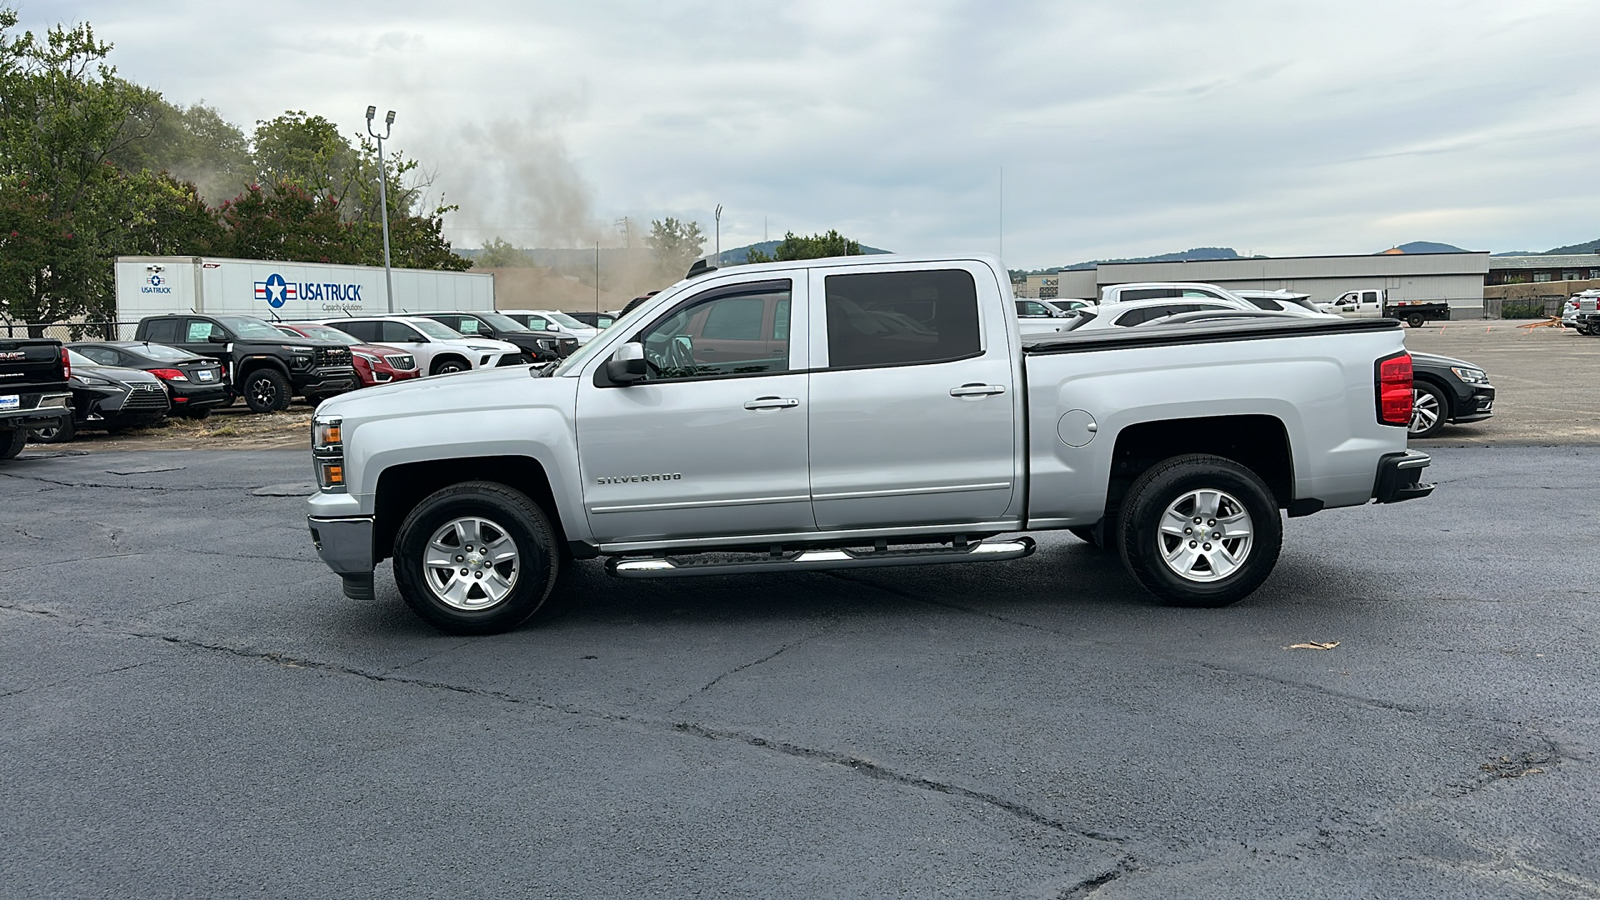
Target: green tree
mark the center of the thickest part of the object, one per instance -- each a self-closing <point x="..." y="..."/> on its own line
<point x="63" y="114"/>
<point x="289" y="222"/>
<point x="676" y="245"/>
<point x="193" y="144"/>
<point x="500" y="253"/>
<point x="306" y="151"/>
<point x="818" y="246"/>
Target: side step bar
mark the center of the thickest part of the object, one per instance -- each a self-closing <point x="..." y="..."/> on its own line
<point x="721" y="564"/>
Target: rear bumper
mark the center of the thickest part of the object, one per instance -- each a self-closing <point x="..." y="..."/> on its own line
<point x="38" y="410"/>
<point x="1400" y="477"/>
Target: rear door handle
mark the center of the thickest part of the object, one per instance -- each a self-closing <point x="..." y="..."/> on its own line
<point x="977" y="390"/>
<point x="772" y="403"/>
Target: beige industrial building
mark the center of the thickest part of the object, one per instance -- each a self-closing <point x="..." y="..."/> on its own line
<point x="1457" y="278"/>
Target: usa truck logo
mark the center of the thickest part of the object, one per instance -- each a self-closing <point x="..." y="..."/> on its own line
<point x="275" y="291"/>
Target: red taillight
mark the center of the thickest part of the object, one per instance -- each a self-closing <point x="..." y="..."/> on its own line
<point x="169" y="374"/>
<point x="1394" y="389"/>
<point x="66" y="364"/>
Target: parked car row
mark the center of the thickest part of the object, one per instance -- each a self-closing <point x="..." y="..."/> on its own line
<point x="191" y="364"/>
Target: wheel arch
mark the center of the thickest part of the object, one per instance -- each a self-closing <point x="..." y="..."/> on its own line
<point x="449" y="356"/>
<point x="1444" y="389"/>
<point x="402" y="486"/>
<point x="1258" y="442"/>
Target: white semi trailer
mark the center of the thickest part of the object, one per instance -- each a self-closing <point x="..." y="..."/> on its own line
<point x="160" y="285"/>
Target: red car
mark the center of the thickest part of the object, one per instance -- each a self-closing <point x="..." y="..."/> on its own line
<point x="374" y="364"/>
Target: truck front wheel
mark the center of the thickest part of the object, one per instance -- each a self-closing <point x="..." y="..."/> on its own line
<point x="476" y="558"/>
<point x="266" y="390"/>
<point x="1200" y="530"/>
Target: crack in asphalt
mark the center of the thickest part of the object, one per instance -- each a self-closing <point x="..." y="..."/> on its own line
<point x="81" y="675"/>
<point x="756" y="662"/>
<point x="126" y="487"/>
<point x="876" y="771"/>
<point x="855" y="764"/>
<point x="1089" y="886"/>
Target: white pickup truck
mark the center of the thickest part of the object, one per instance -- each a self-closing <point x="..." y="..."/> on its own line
<point x="860" y="411"/>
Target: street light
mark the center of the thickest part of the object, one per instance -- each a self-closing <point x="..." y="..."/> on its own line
<point x="719" y="234"/>
<point x="383" y="196"/>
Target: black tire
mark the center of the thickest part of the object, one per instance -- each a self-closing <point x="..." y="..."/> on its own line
<point x="1430" y="410"/>
<point x="1415" y="320"/>
<point x="1086" y="535"/>
<point x="449" y="365"/>
<point x="61" y="434"/>
<point x="511" y="513"/>
<point x="1169" y="483"/>
<point x="266" y="390"/>
<point x="12" y="441"/>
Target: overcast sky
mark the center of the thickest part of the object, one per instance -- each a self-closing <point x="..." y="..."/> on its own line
<point x="1123" y="127"/>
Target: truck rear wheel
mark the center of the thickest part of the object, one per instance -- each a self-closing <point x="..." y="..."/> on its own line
<point x="476" y="558"/>
<point x="12" y="441"/>
<point x="1200" y="531"/>
<point x="1415" y="320"/>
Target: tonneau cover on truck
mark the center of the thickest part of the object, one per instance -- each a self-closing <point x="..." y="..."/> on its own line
<point x="1154" y="335"/>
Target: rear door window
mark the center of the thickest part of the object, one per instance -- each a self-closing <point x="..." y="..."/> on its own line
<point x="162" y="331"/>
<point x="399" y="333"/>
<point x="1264" y="303"/>
<point x="101" y="355"/>
<point x="364" y="331"/>
<point x="1136" y="316"/>
<point x="901" y="318"/>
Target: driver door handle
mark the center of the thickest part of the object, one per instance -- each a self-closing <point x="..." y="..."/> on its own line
<point x="977" y="390"/>
<point x="772" y="403"/>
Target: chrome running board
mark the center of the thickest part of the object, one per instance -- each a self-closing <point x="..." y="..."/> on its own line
<point x="713" y="563"/>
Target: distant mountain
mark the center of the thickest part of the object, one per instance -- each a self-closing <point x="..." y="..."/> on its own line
<point x="1181" y="256"/>
<point x="1585" y="247"/>
<point x="738" y="255"/>
<point x="1428" y="247"/>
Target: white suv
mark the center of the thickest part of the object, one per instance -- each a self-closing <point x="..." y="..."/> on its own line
<point x="551" y="320"/>
<point x="439" y="350"/>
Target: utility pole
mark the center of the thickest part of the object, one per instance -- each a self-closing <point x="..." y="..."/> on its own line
<point x="383" y="197"/>
<point x="719" y="234"/>
<point x="597" y="276"/>
<point x="1002" y="214"/>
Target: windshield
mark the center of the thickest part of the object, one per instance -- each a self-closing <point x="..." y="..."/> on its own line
<point x="250" y="327"/>
<point x="162" y="351"/>
<point x="328" y="333"/>
<point x="435" y="330"/>
<point x="565" y="320"/>
<point x="502" y="323"/>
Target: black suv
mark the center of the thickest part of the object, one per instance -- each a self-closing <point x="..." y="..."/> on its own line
<point x="263" y="366"/>
<point x="33" y="390"/>
<point x="539" y="346"/>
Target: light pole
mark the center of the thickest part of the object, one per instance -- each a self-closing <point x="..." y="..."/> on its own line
<point x="383" y="197"/>
<point x="719" y="234"/>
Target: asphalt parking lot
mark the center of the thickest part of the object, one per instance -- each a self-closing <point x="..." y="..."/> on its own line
<point x="188" y="707"/>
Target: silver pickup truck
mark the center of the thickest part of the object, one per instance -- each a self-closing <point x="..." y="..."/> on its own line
<point x="851" y="412"/>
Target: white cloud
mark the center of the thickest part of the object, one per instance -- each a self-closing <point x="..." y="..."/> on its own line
<point x="1124" y="126"/>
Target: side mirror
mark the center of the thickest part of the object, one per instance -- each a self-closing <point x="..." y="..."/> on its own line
<point x="626" y="366"/>
<point x="216" y="338"/>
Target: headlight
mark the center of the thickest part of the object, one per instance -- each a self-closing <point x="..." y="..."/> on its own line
<point x="369" y="358"/>
<point x="327" y="451"/>
<point x="91" y="380"/>
<point x="478" y="349"/>
<point x="1471" y="376"/>
<point x="546" y="343"/>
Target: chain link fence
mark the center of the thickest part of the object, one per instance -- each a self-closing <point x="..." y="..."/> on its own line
<point x="70" y="331"/>
<point x="1522" y="307"/>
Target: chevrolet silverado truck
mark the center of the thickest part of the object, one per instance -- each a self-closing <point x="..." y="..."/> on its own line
<point x="854" y="412"/>
<point x="33" y="390"/>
